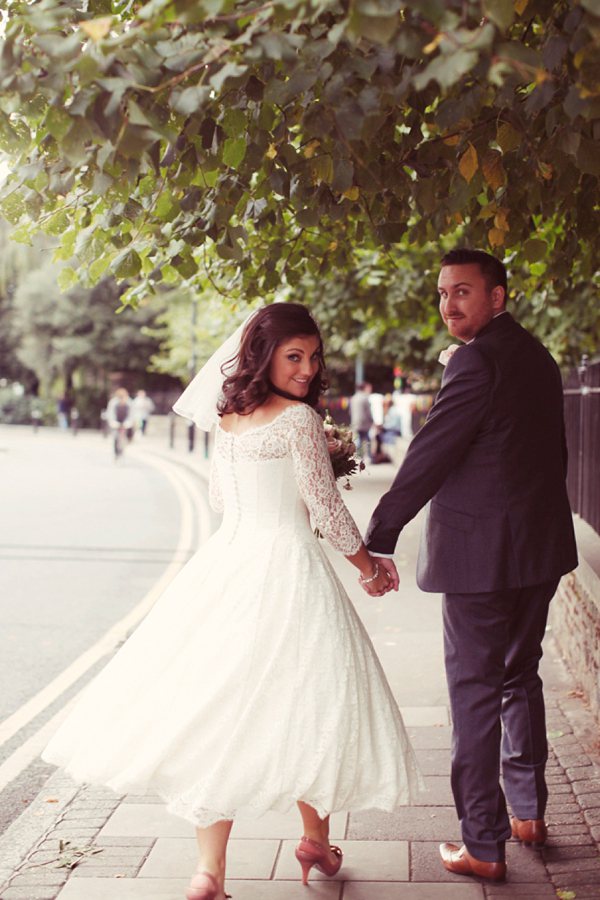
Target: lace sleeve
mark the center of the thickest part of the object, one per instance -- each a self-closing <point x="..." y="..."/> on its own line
<point x="215" y="495"/>
<point x="316" y="482"/>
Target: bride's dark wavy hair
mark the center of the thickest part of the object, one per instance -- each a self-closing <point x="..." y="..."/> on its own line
<point x="248" y="387"/>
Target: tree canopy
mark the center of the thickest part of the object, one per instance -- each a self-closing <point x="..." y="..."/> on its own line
<point x="263" y="145"/>
<point x="61" y="333"/>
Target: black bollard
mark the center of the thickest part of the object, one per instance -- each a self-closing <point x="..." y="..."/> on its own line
<point x="191" y="436"/>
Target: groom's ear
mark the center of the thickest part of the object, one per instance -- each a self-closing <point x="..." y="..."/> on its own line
<point x="498" y="298"/>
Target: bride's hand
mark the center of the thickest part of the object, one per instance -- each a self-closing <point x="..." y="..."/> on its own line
<point x="376" y="582"/>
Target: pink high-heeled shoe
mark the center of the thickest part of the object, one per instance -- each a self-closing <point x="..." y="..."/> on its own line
<point x="309" y="853"/>
<point x="204" y="891"/>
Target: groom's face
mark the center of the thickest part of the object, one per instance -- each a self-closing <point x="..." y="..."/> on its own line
<point x="466" y="304"/>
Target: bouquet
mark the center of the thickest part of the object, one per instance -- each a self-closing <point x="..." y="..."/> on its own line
<point x="342" y="452"/>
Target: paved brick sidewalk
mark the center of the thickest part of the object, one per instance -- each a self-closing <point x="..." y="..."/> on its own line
<point x="130" y="849"/>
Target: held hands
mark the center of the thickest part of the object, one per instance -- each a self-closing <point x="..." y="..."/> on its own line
<point x="390" y="567"/>
<point x="381" y="578"/>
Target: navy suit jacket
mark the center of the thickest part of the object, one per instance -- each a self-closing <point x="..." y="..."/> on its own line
<point x="491" y="457"/>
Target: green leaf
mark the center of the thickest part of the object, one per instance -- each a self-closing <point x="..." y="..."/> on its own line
<point x="21" y="235"/>
<point x="447" y="69"/>
<point x="379" y="29"/>
<point x="67" y="277"/>
<point x="588" y="157"/>
<point x="230" y="251"/>
<point x="98" y="268"/>
<point x="508" y="138"/>
<point x="425" y="194"/>
<point x="190" y="100"/>
<point x="234" y="152"/>
<point x="127" y="264"/>
<point x="30" y="171"/>
<point x="343" y="173"/>
<point x="468" y="163"/>
<point x="88" y="244"/>
<point x="57" y="122"/>
<point x="535" y="250"/>
<point x="229" y="70"/>
<point x="131" y="210"/>
<point x="391" y="234"/>
<point x="210" y="178"/>
<point x="170" y="274"/>
<point x="569" y="142"/>
<point x="493" y="170"/>
<point x="235" y="122"/>
<point x="322" y="169"/>
<point x="501" y="12"/>
<point x="58" y="223"/>
<point x="136" y="114"/>
<point x="101" y="183"/>
<point x="308" y="218"/>
<point x="276" y="46"/>
<point x="165" y="207"/>
<point x="349" y="119"/>
<point x="67" y="245"/>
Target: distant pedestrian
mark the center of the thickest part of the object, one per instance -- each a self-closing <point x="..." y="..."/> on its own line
<point x="404" y="402"/>
<point x="143" y="407"/>
<point x="391" y="428"/>
<point x="361" y="418"/>
<point x="64" y="411"/>
<point x="119" y="412"/>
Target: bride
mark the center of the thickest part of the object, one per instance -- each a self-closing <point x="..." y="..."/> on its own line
<point x="253" y="685"/>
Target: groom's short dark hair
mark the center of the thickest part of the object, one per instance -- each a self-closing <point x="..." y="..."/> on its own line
<point x="491" y="268"/>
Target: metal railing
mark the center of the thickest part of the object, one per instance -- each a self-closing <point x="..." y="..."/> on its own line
<point x="582" y="421"/>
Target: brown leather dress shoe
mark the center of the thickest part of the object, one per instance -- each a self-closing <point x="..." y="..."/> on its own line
<point x="459" y="860"/>
<point x="532" y="832"/>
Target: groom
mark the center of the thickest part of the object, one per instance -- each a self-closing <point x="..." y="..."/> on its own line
<point x="497" y="536"/>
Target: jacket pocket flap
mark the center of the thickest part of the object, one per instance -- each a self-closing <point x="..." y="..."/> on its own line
<point x="452" y="518"/>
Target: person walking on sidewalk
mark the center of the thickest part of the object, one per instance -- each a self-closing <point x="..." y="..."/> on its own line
<point x="498" y="534"/>
<point x="252" y="685"/>
<point x="361" y="416"/>
<point x="143" y="407"/>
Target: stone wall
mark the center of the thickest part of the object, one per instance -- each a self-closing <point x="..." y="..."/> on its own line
<point x="575" y="616"/>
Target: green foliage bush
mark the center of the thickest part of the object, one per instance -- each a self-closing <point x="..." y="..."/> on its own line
<point x="17" y="410"/>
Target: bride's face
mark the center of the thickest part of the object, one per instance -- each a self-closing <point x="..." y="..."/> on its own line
<point x="294" y="364"/>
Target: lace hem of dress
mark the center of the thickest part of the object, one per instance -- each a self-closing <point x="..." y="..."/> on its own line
<point x="203" y="818"/>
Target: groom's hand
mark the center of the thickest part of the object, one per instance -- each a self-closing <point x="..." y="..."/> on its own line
<point x="390" y="568"/>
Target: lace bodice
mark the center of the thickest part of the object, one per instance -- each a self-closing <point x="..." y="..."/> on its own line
<point x="268" y="476"/>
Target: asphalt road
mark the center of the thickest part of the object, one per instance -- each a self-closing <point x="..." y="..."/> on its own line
<point x="83" y="540"/>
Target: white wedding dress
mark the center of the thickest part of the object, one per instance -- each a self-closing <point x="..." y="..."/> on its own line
<point x="252" y="683"/>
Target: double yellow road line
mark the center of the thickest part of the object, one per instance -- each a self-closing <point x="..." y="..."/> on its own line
<point x="194" y="509"/>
